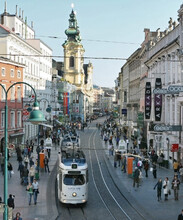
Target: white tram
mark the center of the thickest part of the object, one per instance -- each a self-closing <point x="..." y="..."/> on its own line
<point x="72" y="176"/>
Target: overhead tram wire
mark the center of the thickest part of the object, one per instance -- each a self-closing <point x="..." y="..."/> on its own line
<point x="56" y="56"/>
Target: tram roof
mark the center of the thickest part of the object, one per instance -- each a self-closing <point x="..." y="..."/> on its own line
<point x="69" y="156"/>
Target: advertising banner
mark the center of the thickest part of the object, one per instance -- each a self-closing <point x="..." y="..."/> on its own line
<point x="147" y="100"/>
<point x="158" y="100"/>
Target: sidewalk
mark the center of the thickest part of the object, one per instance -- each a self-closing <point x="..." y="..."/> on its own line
<point x="145" y="196"/>
<point x="44" y="209"/>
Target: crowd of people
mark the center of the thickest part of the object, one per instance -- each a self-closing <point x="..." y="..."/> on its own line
<point x="143" y="161"/>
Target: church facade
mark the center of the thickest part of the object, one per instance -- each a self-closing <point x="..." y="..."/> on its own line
<point x="77" y="73"/>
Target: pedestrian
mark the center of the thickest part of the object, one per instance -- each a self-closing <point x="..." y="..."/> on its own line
<point x="146" y="167"/>
<point x="35" y="185"/>
<point x="26" y="160"/>
<point x="180" y="217"/>
<point x="175" y="187"/>
<point x="136" y="177"/>
<point x="154" y="171"/>
<point x="159" y="188"/>
<point x="25" y="175"/>
<point x="175" y="166"/>
<point x="46" y="166"/>
<point x="166" y="188"/>
<point x="181" y="174"/>
<point x="10" y="169"/>
<point x="31" y="173"/>
<point x="17" y="216"/>
<point x="21" y="168"/>
<point x="11" y="203"/>
<point x="2" y="164"/>
<point x="115" y="159"/>
<point x="30" y="192"/>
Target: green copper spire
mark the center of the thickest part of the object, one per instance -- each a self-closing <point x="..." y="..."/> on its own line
<point x="73" y="33"/>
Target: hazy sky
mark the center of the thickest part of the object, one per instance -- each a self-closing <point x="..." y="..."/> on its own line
<point x="109" y="28"/>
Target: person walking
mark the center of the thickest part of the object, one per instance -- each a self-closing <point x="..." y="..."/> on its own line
<point x="159" y="188"/>
<point x="35" y="185"/>
<point x="30" y="192"/>
<point x="146" y="167"/>
<point x="11" y="203"/>
<point x="46" y="161"/>
<point x="136" y="177"/>
<point x="10" y="169"/>
<point x="175" y="187"/>
<point x="154" y="171"/>
<point x="21" y="168"/>
<point x="17" y="217"/>
<point x="31" y="173"/>
<point x="180" y="217"/>
<point x="166" y="188"/>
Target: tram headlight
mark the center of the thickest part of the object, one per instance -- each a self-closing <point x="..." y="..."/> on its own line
<point x="74" y="194"/>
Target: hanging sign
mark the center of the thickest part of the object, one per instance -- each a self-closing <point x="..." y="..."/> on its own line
<point x="158" y="101"/>
<point x="147" y="100"/>
<point x="175" y="148"/>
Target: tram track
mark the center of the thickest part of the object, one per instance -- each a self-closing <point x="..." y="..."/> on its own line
<point x="106" y="198"/>
<point x="131" y="212"/>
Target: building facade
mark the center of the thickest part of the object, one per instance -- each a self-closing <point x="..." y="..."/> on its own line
<point x="11" y="72"/>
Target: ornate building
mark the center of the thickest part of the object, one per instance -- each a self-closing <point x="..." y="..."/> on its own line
<point x="75" y="71"/>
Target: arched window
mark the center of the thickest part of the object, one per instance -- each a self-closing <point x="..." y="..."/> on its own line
<point x="71" y="61"/>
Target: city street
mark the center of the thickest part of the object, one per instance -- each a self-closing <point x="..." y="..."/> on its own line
<point x="111" y="193"/>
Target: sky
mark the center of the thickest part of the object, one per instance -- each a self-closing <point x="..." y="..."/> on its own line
<point x="109" y="28"/>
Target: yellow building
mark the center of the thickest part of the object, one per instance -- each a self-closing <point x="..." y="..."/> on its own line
<point x="75" y="71"/>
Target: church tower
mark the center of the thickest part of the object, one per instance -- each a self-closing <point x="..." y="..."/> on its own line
<point x="73" y="54"/>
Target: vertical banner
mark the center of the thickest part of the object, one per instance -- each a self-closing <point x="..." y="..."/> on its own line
<point x="68" y="112"/>
<point x="158" y="100"/>
<point x="148" y="100"/>
<point x="65" y="103"/>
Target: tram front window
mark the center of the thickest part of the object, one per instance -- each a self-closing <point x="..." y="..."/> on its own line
<point x="74" y="180"/>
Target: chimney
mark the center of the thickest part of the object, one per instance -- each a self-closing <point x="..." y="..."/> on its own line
<point x="16" y="10"/>
<point x="19" y="12"/>
<point x="32" y="24"/>
<point x="22" y="14"/>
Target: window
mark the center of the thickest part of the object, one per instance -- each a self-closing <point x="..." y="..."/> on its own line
<point x="3" y="95"/>
<point x="18" y="74"/>
<point x="12" y="73"/>
<point x="12" y="120"/>
<point x="3" y="71"/>
<point x="19" y="119"/>
<point x="12" y="94"/>
<point x="2" y="119"/>
<point x="71" y="61"/>
<point x="19" y="94"/>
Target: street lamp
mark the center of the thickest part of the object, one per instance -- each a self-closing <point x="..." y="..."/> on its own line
<point x="36" y="117"/>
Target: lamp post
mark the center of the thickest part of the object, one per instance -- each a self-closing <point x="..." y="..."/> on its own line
<point x="36" y="117"/>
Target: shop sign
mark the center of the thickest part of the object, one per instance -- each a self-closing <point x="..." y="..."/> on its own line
<point x="147" y="100"/>
<point x="158" y="101"/>
<point x="161" y="128"/>
<point x="175" y="148"/>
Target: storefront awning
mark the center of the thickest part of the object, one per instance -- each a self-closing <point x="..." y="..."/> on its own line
<point x="46" y="125"/>
<point x="17" y="134"/>
<point x="58" y="122"/>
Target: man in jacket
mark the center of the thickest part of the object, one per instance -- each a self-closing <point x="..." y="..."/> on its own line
<point x="180" y="217"/>
<point x="136" y="177"/>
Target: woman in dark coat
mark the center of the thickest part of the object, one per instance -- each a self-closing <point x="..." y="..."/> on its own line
<point x="159" y="188"/>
